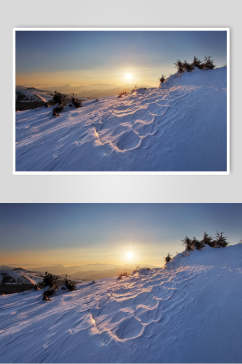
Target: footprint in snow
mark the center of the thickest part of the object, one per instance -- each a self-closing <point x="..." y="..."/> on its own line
<point x="128" y="141"/>
<point x="129" y="329"/>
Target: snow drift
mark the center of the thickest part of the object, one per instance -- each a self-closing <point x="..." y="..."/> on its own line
<point x="189" y="312"/>
<point x="179" y="127"/>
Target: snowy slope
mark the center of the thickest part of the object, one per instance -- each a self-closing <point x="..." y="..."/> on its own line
<point x="33" y="94"/>
<point x="18" y="276"/>
<point x="188" y="312"/>
<point x="179" y="127"/>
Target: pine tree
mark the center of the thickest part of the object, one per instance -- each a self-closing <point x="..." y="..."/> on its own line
<point x="207" y="240"/>
<point x="188" y="243"/>
<point x="196" y="62"/>
<point x="179" y="65"/>
<point x="221" y="240"/>
<point x="197" y="243"/>
<point x="187" y="66"/>
<point x="208" y="63"/>
<point x="162" y="79"/>
<point x="168" y="258"/>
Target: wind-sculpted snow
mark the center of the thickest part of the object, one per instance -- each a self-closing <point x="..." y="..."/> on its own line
<point x="189" y="312"/>
<point x="181" y="127"/>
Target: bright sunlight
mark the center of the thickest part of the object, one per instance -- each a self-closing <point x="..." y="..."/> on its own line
<point x="129" y="77"/>
<point x="129" y="255"/>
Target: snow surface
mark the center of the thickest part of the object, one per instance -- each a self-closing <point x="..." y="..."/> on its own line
<point x="189" y="312"/>
<point x="179" y="127"/>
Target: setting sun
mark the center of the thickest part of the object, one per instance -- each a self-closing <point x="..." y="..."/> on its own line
<point x="129" y="255"/>
<point x="129" y="77"/>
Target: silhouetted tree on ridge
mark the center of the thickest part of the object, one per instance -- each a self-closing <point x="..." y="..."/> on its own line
<point x="206" y="64"/>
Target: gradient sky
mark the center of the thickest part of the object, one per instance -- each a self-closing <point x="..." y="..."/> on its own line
<point x="101" y="58"/>
<point x="74" y="234"/>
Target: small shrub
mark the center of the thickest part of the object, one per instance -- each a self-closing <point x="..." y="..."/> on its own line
<point x="188" y="243"/>
<point x="198" y="244"/>
<point x="121" y="275"/>
<point x="48" y="293"/>
<point x="57" y="110"/>
<point x="77" y="103"/>
<point x="220" y="240"/>
<point x="196" y="62"/>
<point x="213" y="244"/>
<point x="208" y="63"/>
<point x="49" y="279"/>
<point x="180" y="67"/>
<point x="58" y="98"/>
<point x="188" y="67"/>
<point x="70" y="285"/>
<point x="123" y="93"/>
<point x="162" y="79"/>
<point x="168" y="258"/>
<point x="206" y="240"/>
<point x="192" y="244"/>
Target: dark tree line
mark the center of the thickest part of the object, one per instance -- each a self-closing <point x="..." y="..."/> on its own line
<point x="220" y="241"/>
<point x="206" y="64"/>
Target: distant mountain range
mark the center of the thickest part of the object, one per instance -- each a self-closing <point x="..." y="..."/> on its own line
<point x="32" y="275"/>
<point x="32" y="93"/>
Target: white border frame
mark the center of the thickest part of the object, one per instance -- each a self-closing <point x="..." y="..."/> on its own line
<point x="135" y="173"/>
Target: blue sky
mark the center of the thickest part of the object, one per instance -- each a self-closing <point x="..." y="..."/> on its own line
<point x="89" y="233"/>
<point x="101" y="56"/>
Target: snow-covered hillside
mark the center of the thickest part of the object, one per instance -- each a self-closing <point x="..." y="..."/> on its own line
<point x="30" y="94"/>
<point x="180" y="127"/>
<point x="189" y="312"/>
<point x="12" y="276"/>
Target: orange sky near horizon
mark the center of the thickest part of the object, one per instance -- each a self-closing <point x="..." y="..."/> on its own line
<point x="100" y="78"/>
<point x="126" y="253"/>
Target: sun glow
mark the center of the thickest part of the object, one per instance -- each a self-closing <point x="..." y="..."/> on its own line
<point x="128" y="77"/>
<point x="129" y="255"/>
